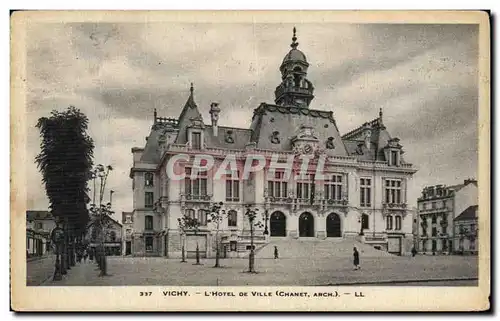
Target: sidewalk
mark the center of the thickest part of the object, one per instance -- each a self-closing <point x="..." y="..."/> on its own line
<point x="80" y="274"/>
<point x="40" y="269"/>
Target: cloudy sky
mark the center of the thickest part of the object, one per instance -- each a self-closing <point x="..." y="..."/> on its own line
<point x="423" y="76"/>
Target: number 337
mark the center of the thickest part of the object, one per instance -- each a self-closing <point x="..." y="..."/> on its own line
<point x="145" y="293"/>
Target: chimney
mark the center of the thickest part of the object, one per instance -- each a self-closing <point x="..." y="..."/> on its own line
<point x="214" y="116"/>
<point x="367" y="131"/>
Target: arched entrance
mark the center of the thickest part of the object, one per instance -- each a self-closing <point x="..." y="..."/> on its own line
<point x="277" y="224"/>
<point x="306" y="225"/>
<point x="333" y="226"/>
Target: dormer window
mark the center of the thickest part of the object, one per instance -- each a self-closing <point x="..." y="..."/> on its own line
<point x="196" y="140"/>
<point x="394" y="158"/>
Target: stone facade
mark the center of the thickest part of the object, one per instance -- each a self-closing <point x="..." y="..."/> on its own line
<point x="362" y="196"/>
<point x="438" y="207"/>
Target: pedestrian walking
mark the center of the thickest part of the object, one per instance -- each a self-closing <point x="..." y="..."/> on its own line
<point x="356" y="259"/>
<point x="85" y="255"/>
<point x="275" y="252"/>
<point x="413" y="251"/>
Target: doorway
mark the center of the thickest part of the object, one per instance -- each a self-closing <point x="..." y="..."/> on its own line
<point x="277" y="224"/>
<point x="333" y="226"/>
<point x="306" y="225"/>
<point x="128" y="248"/>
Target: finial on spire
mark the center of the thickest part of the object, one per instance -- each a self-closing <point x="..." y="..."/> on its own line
<point x="294" y="39"/>
<point x="155" y="115"/>
<point x="191" y="89"/>
<point x="380" y="115"/>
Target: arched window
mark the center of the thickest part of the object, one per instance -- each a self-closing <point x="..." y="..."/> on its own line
<point x="389" y="222"/>
<point x="232" y="218"/>
<point x="148" y="179"/>
<point x="398" y="222"/>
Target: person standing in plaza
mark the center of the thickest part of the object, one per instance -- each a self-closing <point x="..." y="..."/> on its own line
<point x="275" y="252"/>
<point x="356" y="259"/>
<point x="85" y="254"/>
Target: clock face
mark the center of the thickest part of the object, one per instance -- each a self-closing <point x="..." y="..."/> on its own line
<point x="308" y="149"/>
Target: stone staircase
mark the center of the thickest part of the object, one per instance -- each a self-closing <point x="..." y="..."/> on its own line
<point x="309" y="247"/>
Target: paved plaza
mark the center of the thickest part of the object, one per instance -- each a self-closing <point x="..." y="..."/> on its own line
<point x="392" y="270"/>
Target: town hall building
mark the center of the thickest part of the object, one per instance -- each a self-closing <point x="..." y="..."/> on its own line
<point x="363" y="196"/>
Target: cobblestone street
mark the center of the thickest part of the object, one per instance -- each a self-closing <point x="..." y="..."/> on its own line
<point x="427" y="270"/>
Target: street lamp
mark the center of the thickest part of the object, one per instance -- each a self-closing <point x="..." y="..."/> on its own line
<point x="266" y="217"/>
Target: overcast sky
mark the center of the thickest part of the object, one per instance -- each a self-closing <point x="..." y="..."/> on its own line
<point x="423" y="76"/>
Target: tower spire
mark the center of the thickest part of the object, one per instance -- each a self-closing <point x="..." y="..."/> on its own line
<point x="294" y="39"/>
<point x="380" y="115"/>
<point x="191" y="89"/>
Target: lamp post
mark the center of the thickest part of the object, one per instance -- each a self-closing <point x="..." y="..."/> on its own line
<point x="266" y="217"/>
<point x="182" y="228"/>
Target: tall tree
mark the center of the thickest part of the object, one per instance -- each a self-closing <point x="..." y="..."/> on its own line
<point x="65" y="161"/>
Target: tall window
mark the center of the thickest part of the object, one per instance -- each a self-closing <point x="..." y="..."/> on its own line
<point x="112" y="236"/>
<point x="149" y="244"/>
<point x="148" y="179"/>
<point x="190" y="213"/>
<point x="434" y="231"/>
<point x="333" y="187"/>
<point x="202" y="217"/>
<point x="197" y="187"/>
<point x="389" y="223"/>
<point x="433" y="205"/>
<point x="434" y="219"/>
<point x="148" y="199"/>
<point x="392" y="191"/>
<point x="233" y="187"/>
<point x="304" y="186"/>
<point x="196" y="140"/>
<point x="398" y="222"/>
<point x="232" y="219"/>
<point x="365" y="192"/>
<point x="277" y="185"/>
<point x="148" y="222"/>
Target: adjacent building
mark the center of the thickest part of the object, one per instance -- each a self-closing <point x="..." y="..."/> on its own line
<point x="466" y="232"/>
<point x="438" y="208"/>
<point x="364" y="195"/>
<point x="128" y="226"/>
<point x="39" y="225"/>
<point x="113" y="236"/>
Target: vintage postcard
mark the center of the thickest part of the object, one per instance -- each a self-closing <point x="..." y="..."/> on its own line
<point x="250" y="161"/>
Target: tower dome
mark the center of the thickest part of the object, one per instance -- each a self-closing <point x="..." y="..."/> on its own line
<point x="295" y="89"/>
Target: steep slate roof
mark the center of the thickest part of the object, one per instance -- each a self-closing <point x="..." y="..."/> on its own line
<point x="470" y="213"/>
<point x="287" y="121"/>
<point x="189" y="112"/>
<point x="378" y="140"/>
<point x="241" y="137"/>
<point x="38" y="215"/>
